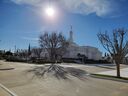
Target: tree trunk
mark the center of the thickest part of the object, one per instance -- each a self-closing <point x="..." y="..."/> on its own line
<point x="118" y="69"/>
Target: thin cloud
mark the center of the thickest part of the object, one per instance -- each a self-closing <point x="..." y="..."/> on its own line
<point x="99" y="7"/>
<point x="29" y="38"/>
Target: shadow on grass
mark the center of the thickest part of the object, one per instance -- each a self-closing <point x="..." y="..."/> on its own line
<point x="59" y="72"/>
<point x="109" y="77"/>
<point x="105" y="67"/>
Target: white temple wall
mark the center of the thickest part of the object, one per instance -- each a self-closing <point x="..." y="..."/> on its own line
<point x="90" y="52"/>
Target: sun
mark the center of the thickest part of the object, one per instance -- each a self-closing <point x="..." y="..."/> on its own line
<point x="50" y="11"/>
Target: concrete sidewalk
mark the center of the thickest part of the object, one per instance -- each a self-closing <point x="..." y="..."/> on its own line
<point x="123" y="72"/>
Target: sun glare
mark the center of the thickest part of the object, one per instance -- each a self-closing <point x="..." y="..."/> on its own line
<point x="50" y="11"/>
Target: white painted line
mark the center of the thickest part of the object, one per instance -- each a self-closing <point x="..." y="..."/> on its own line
<point x="7" y="90"/>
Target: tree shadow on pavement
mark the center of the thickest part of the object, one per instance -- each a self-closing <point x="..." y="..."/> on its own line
<point x="59" y="72"/>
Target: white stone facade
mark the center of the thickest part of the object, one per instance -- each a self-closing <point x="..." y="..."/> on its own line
<point x="91" y="52"/>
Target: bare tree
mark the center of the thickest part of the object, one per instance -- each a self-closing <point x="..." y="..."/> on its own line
<point x="23" y="54"/>
<point x="54" y="43"/>
<point x="37" y="52"/>
<point x="116" y="45"/>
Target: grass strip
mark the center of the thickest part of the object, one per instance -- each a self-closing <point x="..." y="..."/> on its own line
<point x="123" y="79"/>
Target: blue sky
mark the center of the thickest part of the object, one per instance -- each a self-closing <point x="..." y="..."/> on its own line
<point x="22" y="21"/>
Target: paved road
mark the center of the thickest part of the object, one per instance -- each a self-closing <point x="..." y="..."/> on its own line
<point x="22" y="83"/>
<point x="4" y="91"/>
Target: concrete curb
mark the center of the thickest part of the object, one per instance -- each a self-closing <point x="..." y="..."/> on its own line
<point x="7" y="90"/>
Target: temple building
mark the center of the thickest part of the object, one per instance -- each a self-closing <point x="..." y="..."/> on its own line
<point x="74" y="49"/>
